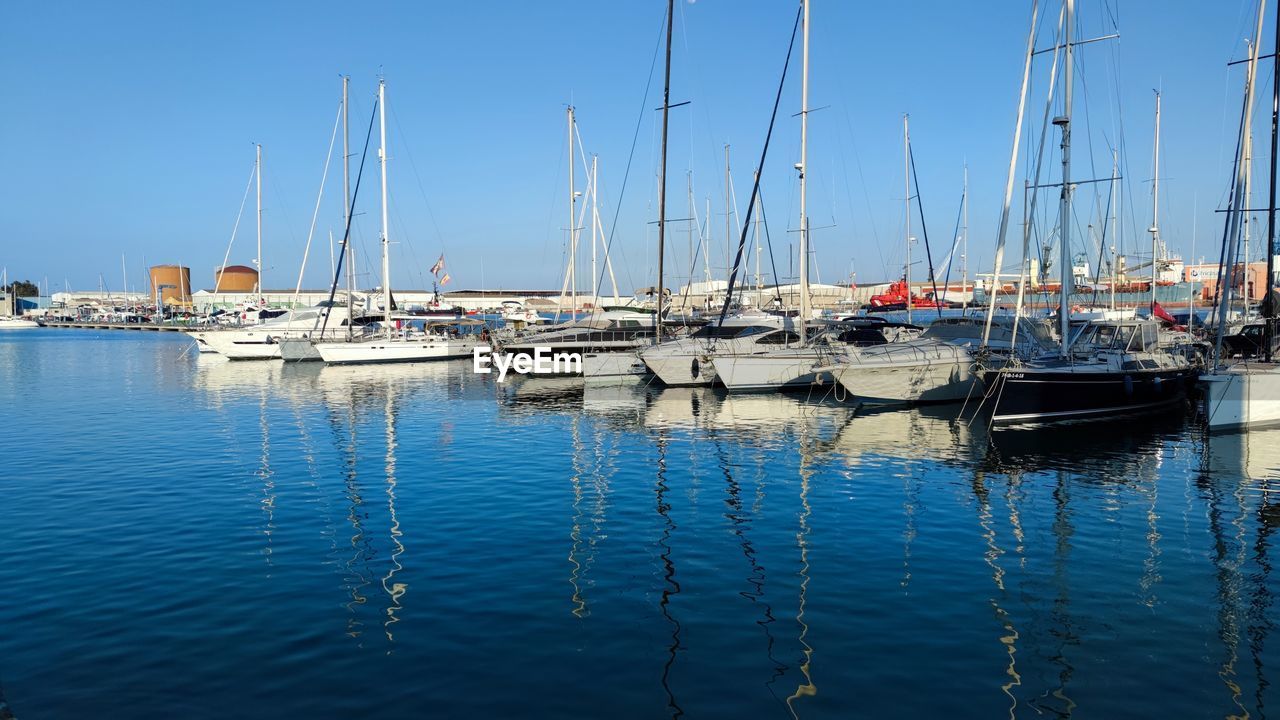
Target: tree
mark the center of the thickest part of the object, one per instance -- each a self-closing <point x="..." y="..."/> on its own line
<point x="22" y="288"/>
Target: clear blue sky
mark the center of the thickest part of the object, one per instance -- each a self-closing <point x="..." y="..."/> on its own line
<point x="129" y="127"/>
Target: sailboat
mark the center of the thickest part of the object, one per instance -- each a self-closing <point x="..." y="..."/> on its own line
<point x="1108" y="367"/>
<point x="1246" y="393"/>
<point x="9" y="321"/>
<point x="435" y="341"/>
<point x="287" y="334"/>
<point x="626" y="364"/>
<point x="790" y="366"/>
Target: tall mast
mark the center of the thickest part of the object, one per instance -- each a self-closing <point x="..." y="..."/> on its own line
<point x="1155" y="211"/>
<point x="805" y="310"/>
<point x="1239" y="204"/>
<point x="906" y="184"/>
<point x="706" y="246"/>
<point x="595" y="290"/>
<point x="1268" y="317"/>
<point x="1013" y="168"/>
<point x="693" y="222"/>
<point x="1064" y="223"/>
<point x="757" y="233"/>
<point x="573" y="230"/>
<point x="728" y="214"/>
<point x="346" y="208"/>
<point x="257" y="164"/>
<point x="1247" y="219"/>
<point x="964" y="247"/>
<point x="386" y="240"/>
<point x="662" y="175"/>
<point x="1115" y="172"/>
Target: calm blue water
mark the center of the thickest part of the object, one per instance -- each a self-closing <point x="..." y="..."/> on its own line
<point x="187" y="537"/>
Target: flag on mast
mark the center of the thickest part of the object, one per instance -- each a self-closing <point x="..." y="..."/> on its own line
<point x="435" y="269"/>
<point x="444" y="280"/>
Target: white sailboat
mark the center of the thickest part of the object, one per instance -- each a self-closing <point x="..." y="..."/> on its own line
<point x="789" y="366"/>
<point x="265" y="341"/>
<point x="17" y="322"/>
<point x="394" y="346"/>
<point x="13" y="322"/>
<point x="625" y="363"/>
<point x="1247" y="393"/>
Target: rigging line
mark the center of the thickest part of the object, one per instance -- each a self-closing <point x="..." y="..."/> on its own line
<point x="755" y="186"/>
<point x="768" y="241"/>
<point x="278" y="194"/>
<point x="406" y="242"/>
<point x="626" y="175"/>
<point x="234" y="228"/>
<point x="404" y="143"/>
<point x="346" y="235"/>
<point x="551" y="206"/>
<point x="844" y="163"/>
<point x="955" y="242"/>
<point x="693" y="263"/>
<point x="698" y="85"/>
<point x="933" y="278"/>
<point x="315" y="214"/>
<point x="1102" y="245"/>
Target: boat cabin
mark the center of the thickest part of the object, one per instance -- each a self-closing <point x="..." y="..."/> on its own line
<point x="1118" y="336"/>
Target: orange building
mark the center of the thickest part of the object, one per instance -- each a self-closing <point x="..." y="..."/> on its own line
<point x="235" y="278"/>
<point x="176" y="282"/>
<point x="1249" y="280"/>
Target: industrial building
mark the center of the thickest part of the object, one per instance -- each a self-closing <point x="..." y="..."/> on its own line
<point x="235" y="278"/>
<point x="172" y="283"/>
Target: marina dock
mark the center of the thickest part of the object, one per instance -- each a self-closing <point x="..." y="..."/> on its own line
<point x="115" y="326"/>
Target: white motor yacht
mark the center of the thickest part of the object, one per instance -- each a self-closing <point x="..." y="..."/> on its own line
<point x="936" y="367"/>
<point x="262" y="342"/>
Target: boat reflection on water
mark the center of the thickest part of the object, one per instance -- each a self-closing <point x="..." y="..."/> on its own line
<point x="1240" y="485"/>
<point x="364" y="406"/>
<point x="773" y="419"/>
<point x="659" y="499"/>
<point x="1252" y="455"/>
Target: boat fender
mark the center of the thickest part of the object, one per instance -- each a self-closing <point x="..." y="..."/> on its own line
<point x="269" y="340"/>
<point x="696" y="369"/>
<point x="1128" y="384"/>
<point x="1158" y="383"/>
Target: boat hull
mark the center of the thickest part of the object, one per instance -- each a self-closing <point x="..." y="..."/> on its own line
<point x="766" y="372"/>
<point x="1034" y="395"/>
<point x="936" y="380"/>
<point x="243" y="345"/>
<point x="1242" y="396"/>
<point x="681" y="369"/>
<point x="18" y="324"/>
<point x="612" y="367"/>
<point x="394" y="351"/>
<point x="299" y="350"/>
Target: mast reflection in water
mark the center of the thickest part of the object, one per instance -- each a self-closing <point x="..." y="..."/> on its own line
<point x="308" y="541"/>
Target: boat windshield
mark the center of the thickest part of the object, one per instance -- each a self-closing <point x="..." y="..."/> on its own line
<point x="779" y="337"/>
<point x="1127" y="337"/>
<point x="730" y="331"/>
